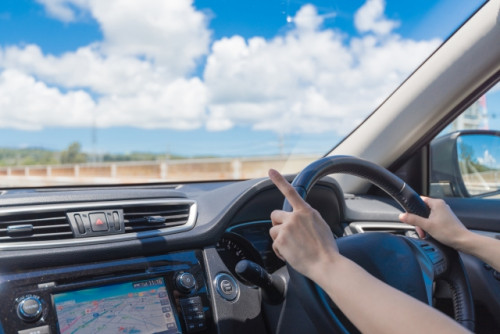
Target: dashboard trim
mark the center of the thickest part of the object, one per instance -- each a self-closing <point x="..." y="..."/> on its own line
<point x="257" y="222"/>
<point x="193" y="209"/>
<point x="362" y="227"/>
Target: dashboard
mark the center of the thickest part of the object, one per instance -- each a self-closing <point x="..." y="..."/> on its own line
<point x="155" y="259"/>
<point x="137" y="295"/>
<point x="139" y="259"/>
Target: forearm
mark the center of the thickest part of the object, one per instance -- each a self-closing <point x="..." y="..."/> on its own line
<point x="375" y="307"/>
<point x="485" y="248"/>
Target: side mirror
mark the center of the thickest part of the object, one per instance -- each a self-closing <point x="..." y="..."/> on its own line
<point x="465" y="164"/>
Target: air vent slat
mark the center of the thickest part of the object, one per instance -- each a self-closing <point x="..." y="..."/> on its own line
<point x="144" y="218"/>
<point x="38" y="237"/>
<point x="158" y="213"/>
<point x="139" y="228"/>
<point x="34" y="221"/>
<point x="48" y="227"/>
<point x="35" y="226"/>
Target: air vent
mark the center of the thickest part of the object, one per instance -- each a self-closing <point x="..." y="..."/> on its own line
<point x="34" y="227"/>
<point x="155" y="217"/>
<point x="388" y="227"/>
<point x="46" y="226"/>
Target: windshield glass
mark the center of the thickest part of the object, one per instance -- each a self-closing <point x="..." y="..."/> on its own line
<point x="126" y="91"/>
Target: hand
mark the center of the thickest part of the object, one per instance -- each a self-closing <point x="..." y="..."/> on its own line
<point x="302" y="237"/>
<point x="442" y="223"/>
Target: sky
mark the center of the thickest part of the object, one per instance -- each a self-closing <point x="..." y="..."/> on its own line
<point x="207" y="77"/>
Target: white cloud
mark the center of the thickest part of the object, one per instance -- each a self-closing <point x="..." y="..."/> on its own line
<point x="64" y="10"/>
<point x="28" y="104"/>
<point x="141" y="67"/>
<point x="309" y="79"/>
<point x="87" y="67"/>
<point x="487" y="159"/>
<point x="179" y="105"/>
<point x="172" y="33"/>
<point x="307" y="19"/>
<point x="125" y="94"/>
<point x="370" y="18"/>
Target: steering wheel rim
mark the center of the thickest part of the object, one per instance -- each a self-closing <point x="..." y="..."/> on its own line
<point x="314" y="299"/>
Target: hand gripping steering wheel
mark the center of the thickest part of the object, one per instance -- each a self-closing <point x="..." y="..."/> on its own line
<point x="408" y="264"/>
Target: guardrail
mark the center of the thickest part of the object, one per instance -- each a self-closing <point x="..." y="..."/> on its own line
<point x="482" y="182"/>
<point x="153" y="171"/>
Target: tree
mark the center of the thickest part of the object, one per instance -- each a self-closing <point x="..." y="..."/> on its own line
<point x="73" y="154"/>
<point x="469" y="162"/>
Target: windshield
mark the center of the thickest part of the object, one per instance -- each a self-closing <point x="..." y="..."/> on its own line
<point x="126" y="91"/>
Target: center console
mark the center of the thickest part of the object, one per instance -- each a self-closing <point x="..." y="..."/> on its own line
<point x="161" y="294"/>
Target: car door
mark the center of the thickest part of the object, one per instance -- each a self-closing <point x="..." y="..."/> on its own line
<point x="465" y="171"/>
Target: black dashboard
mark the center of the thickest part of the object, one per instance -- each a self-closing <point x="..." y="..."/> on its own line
<point x="154" y="259"/>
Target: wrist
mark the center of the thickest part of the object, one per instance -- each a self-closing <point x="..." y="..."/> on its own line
<point x="325" y="267"/>
<point x="464" y="241"/>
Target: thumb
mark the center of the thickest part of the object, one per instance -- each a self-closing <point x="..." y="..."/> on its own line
<point x="412" y="219"/>
<point x="420" y="232"/>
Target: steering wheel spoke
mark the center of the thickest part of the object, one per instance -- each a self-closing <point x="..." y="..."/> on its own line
<point x="432" y="262"/>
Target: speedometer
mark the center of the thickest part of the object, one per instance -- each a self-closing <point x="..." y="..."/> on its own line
<point x="233" y="248"/>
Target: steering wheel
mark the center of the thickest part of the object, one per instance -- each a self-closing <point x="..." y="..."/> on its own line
<point x="408" y="264"/>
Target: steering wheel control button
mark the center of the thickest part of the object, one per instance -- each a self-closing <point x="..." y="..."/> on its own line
<point x="29" y="308"/>
<point x="194" y="316"/>
<point x="98" y="222"/>
<point x="226" y="286"/>
<point x="186" y="282"/>
<point x="440" y="268"/>
<point x="37" y="330"/>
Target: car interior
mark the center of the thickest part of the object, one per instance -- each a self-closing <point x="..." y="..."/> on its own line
<point x="200" y="254"/>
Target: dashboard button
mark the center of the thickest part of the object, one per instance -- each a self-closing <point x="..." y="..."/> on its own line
<point x="226" y="286"/>
<point x="79" y="223"/>
<point x="29" y="308"/>
<point x="37" y="330"/>
<point x="98" y="222"/>
<point x="116" y="220"/>
<point x="194" y="316"/>
<point x="186" y="282"/>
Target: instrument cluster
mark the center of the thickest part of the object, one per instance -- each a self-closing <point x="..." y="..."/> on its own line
<point x="249" y="241"/>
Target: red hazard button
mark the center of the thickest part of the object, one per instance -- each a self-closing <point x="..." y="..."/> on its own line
<point x="98" y="222"/>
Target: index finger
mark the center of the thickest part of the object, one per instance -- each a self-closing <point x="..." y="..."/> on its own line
<point x="286" y="189"/>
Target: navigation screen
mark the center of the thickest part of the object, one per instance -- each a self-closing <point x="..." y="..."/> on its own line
<point x="133" y="307"/>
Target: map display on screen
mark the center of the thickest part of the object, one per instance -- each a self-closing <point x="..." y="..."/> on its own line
<point x="132" y="307"/>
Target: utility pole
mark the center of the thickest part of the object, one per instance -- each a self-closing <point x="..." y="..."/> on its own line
<point x="94" y="139"/>
<point x="282" y="144"/>
<point x="167" y="153"/>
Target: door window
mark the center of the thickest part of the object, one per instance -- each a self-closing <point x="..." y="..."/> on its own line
<point x="465" y="157"/>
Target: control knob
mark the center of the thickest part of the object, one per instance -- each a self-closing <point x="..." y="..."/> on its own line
<point x="29" y="308"/>
<point x="185" y="282"/>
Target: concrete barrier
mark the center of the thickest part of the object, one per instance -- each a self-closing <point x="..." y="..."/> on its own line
<point x="152" y="171"/>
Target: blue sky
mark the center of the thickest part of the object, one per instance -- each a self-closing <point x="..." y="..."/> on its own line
<point x="419" y="19"/>
<point x="26" y="21"/>
<point x="213" y="71"/>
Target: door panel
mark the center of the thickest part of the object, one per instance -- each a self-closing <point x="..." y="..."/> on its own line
<point x="477" y="213"/>
<point x="481" y="216"/>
